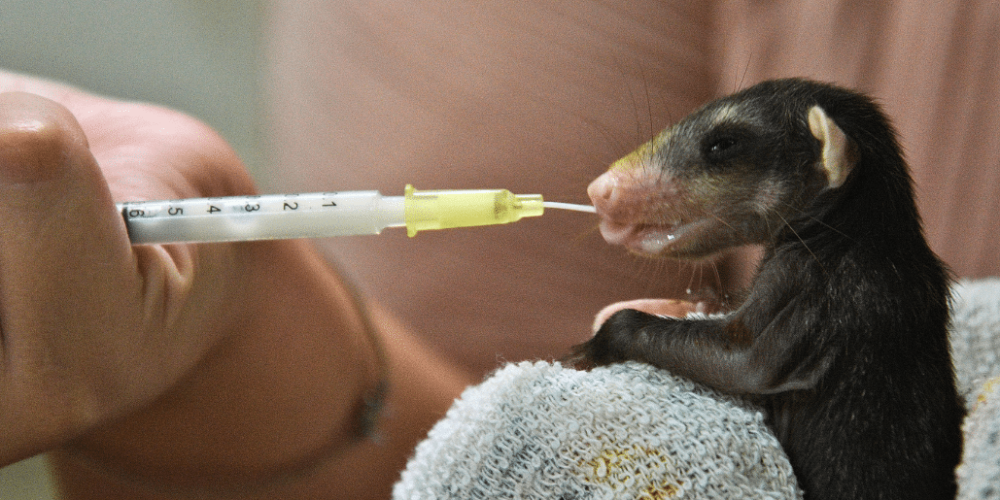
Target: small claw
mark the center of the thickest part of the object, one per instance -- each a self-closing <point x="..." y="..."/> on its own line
<point x="578" y="358"/>
<point x="593" y="353"/>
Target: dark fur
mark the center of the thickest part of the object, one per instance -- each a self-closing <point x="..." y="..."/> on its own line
<point x="842" y="337"/>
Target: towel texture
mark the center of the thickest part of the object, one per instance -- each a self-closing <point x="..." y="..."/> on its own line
<point x="975" y="344"/>
<point x="540" y="430"/>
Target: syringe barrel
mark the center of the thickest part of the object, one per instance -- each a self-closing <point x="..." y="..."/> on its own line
<point x="247" y="218"/>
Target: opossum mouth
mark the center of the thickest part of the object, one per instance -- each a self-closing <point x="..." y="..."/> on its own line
<point x="655" y="240"/>
<point x="668" y="240"/>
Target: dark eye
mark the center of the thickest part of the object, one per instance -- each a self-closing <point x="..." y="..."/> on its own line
<point x="722" y="148"/>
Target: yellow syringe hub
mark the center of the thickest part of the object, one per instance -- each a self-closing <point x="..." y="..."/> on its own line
<point x="444" y="209"/>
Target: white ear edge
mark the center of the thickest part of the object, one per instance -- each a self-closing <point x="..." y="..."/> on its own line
<point x="837" y="158"/>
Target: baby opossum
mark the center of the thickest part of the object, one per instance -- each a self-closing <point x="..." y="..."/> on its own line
<point x="842" y="334"/>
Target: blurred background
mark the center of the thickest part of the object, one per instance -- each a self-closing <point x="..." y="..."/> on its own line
<point x="199" y="57"/>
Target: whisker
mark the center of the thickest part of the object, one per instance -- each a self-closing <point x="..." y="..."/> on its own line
<point x="792" y="229"/>
<point x="723" y="292"/>
<point x="817" y="220"/>
<point x="586" y="233"/>
<point x="701" y="277"/>
<point x="649" y="104"/>
<point x="737" y="232"/>
<point x="746" y="69"/>
<point x="690" y="283"/>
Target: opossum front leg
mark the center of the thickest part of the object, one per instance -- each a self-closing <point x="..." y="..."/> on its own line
<point x="722" y="353"/>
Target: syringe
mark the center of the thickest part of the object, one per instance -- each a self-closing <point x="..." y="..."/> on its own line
<point x="318" y="215"/>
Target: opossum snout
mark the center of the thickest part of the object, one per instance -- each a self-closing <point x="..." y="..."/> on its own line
<point x="618" y="217"/>
<point x="638" y="209"/>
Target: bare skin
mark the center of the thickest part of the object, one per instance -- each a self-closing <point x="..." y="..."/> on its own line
<point x="146" y="367"/>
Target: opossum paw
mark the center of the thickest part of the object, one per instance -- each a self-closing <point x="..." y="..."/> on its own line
<point x="601" y="350"/>
<point x="614" y="342"/>
<point x="580" y="359"/>
<point x="577" y="359"/>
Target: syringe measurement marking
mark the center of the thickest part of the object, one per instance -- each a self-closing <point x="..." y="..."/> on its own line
<point x="154" y="209"/>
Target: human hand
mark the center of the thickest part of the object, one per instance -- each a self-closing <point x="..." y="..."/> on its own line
<point x="150" y="361"/>
<point x="87" y="319"/>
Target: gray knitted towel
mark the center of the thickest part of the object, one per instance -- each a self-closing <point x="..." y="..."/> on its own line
<point x="539" y="430"/>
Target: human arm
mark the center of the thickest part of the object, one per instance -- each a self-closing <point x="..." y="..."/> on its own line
<point x="180" y="367"/>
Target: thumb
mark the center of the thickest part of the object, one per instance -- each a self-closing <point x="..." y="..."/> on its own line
<point x="65" y="267"/>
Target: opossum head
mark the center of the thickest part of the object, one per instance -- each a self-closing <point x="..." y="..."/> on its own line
<point x="732" y="173"/>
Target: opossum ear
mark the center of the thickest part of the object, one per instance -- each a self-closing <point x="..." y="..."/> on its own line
<point x="838" y="151"/>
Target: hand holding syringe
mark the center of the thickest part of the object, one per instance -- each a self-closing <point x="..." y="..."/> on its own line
<point x="319" y="215"/>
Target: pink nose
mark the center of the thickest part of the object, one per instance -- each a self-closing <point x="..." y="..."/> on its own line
<point x="612" y="194"/>
<point x="603" y="191"/>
